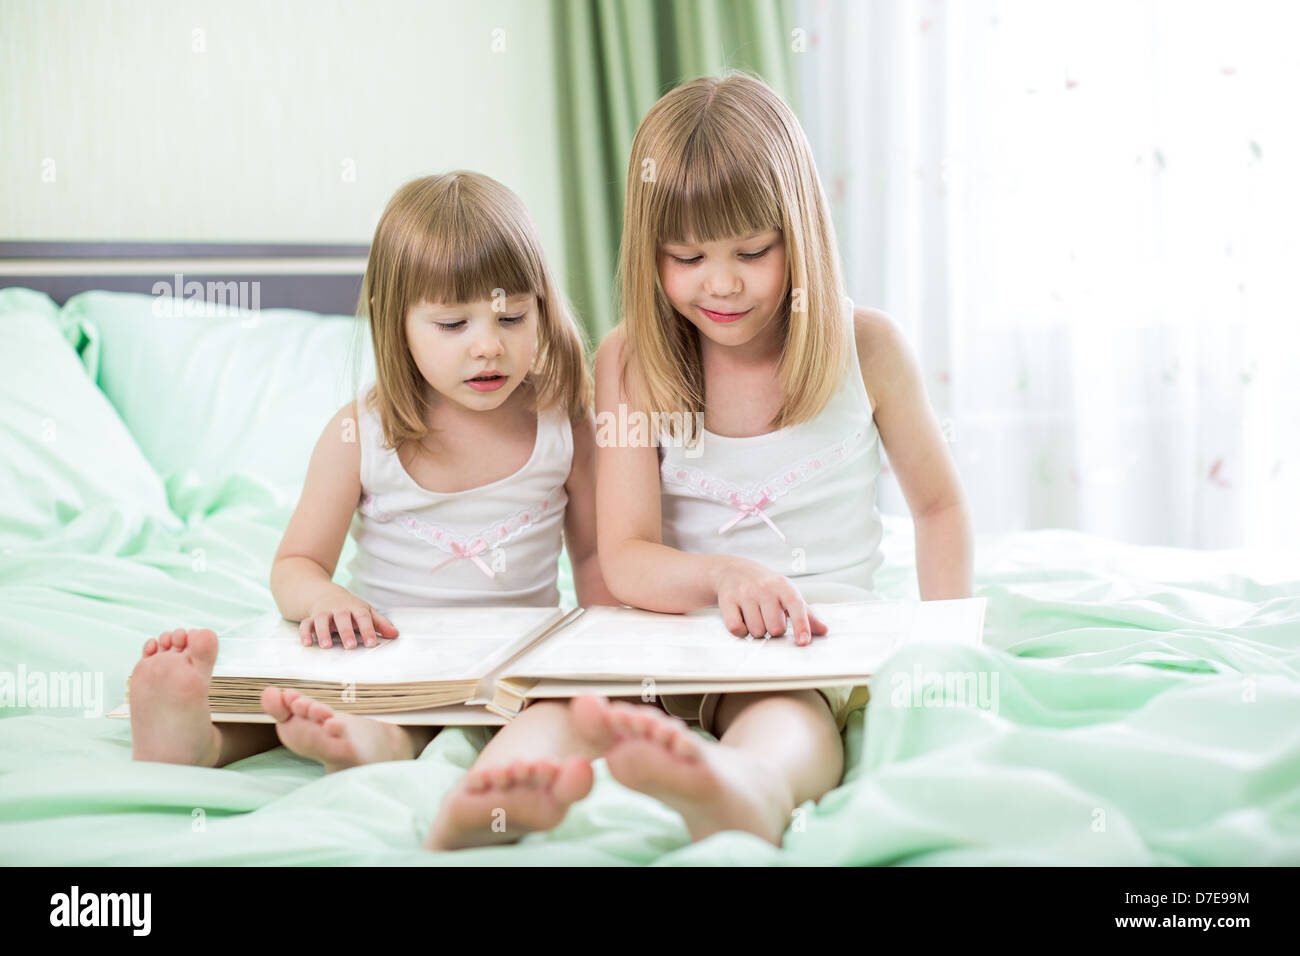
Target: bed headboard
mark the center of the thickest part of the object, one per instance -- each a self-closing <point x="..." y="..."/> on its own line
<point x="317" y="278"/>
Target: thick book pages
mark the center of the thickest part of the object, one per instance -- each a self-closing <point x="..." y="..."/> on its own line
<point x="462" y="715"/>
<point x="627" y="652"/>
<point x="428" y="673"/>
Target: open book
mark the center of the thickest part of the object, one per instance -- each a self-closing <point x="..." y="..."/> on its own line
<point x="484" y="665"/>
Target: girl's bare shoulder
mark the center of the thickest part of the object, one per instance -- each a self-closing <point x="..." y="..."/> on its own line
<point x="882" y="351"/>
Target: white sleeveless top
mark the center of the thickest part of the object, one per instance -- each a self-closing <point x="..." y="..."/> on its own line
<point x="801" y="500"/>
<point x="498" y="544"/>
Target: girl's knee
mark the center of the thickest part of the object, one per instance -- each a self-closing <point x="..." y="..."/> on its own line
<point x="545" y="710"/>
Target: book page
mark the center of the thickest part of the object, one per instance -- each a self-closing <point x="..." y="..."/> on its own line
<point x="432" y="645"/>
<point x="451" y="715"/>
<point x="627" y="644"/>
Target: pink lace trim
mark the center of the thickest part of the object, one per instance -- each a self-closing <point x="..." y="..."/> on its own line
<point x="460" y="546"/>
<point x="749" y="501"/>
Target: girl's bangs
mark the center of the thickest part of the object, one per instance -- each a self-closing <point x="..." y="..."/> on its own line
<point x="716" y="195"/>
<point x="447" y="266"/>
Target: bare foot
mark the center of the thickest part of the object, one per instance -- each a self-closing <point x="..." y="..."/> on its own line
<point x="501" y="804"/>
<point x="312" y="729"/>
<point x="713" y="787"/>
<point x="170" y="720"/>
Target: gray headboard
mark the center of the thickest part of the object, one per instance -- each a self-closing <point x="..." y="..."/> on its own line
<point x="317" y="278"/>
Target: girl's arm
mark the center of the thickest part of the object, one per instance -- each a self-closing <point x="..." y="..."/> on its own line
<point x="303" y="570"/>
<point x="919" y="457"/>
<point x="580" y="518"/>
<point x="640" y="569"/>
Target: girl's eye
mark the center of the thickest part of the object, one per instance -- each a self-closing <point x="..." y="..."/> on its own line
<point x="751" y="256"/>
<point x="688" y="262"/>
<point x="453" y="326"/>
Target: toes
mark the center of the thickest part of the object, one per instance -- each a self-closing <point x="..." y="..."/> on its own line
<point x="203" y="645"/>
<point x="633" y="720"/>
<point x="685" y="745"/>
<point x="590" y="719"/>
<point x="150" y="647"/>
<point x="574" y="780"/>
<point x="648" y="723"/>
<point x="273" y="703"/>
<point x="335" y="726"/>
<point x="301" y="706"/>
<point x="544" y="773"/>
<point x="621" y="720"/>
<point x="664" y="733"/>
<point x="320" y="712"/>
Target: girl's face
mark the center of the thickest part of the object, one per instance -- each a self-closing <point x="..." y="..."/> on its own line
<point x="730" y="289"/>
<point x="456" y="344"/>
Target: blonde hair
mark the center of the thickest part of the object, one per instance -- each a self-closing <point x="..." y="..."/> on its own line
<point x="462" y="237"/>
<point x="715" y="158"/>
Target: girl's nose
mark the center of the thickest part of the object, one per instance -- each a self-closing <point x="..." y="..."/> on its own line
<point x="487" y="346"/>
<point x="722" y="282"/>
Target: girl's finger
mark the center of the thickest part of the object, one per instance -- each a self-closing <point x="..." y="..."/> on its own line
<point x="799" y="615"/>
<point x="304" y="632"/>
<point x="322" y="622"/>
<point x="733" y="620"/>
<point x="366" y="628"/>
<point x="818" y="625"/>
<point x="773" y="615"/>
<point x="753" y="619"/>
<point x="343" y="619"/>
<point x="386" y="627"/>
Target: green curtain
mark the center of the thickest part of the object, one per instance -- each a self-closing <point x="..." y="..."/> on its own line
<point x="614" y="59"/>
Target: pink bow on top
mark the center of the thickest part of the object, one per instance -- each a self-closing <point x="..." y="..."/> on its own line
<point x="745" y="509"/>
<point x="460" y="551"/>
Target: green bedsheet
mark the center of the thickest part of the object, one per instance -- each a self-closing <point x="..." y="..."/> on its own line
<point x="1147" y="705"/>
<point x="1146" y="712"/>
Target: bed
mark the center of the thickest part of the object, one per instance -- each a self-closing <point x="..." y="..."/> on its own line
<point x="1135" y="705"/>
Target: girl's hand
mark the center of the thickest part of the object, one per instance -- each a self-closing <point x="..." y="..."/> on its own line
<point x="346" y="612"/>
<point x="755" y="600"/>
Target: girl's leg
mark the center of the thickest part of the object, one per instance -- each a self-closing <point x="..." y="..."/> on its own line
<point x="776" y="751"/>
<point x="315" y="730"/>
<point x="523" y="781"/>
<point x="244" y="740"/>
<point x="794" y="731"/>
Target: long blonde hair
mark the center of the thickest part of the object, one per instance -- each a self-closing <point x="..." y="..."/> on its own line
<point x="715" y="158"/>
<point x="462" y="237"/>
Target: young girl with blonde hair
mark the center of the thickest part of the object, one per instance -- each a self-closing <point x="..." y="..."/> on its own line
<point x="457" y="473"/>
<point x="733" y="309"/>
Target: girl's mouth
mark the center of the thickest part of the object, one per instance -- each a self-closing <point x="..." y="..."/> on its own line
<point x="486" y="383"/>
<point x="724" y="316"/>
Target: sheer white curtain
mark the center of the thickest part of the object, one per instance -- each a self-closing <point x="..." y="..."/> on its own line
<point x="1085" y="217"/>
